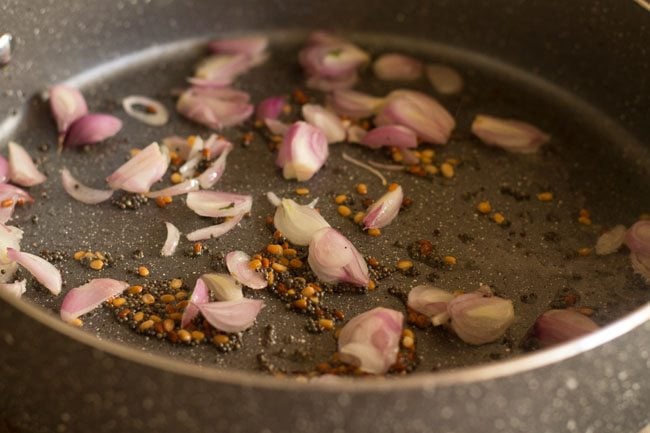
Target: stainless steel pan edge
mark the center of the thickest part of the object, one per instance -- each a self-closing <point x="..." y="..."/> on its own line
<point x="58" y="379"/>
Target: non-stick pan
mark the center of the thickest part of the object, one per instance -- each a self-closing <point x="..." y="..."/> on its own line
<point x="578" y="71"/>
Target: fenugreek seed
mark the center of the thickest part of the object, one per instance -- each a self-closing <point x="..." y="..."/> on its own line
<point x="168" y="325"/>
<point x="449" y="260"/>
<point x="295" y="263"/>
<point x="372" y="285"/>
<point x="79" y="255"/>
<point x="155" y="318"/>
<point x="484" y="207"/>
<point x="197" y="247"/>
<point x="498" y="218"/>
<point x="161" y="202"/>
<point x="78" y="323"/>
<point x="283" y="261"/>
<point x="408" y="333"/>
<point x="326" y="323"/>
<point x="302" y="191"/>
<point x="289" y="252"/>
<point x="181" y="294"/>
<point x="175" y="283"/>
<point x="221" y="339"/>
<point x="300" y="303"/>
<point x="182" y="305"/>
<point x="134" y="290"/>
<point x="270" y="277"/>
<point x="176" y="178"/>
<point x="393" y="187"/>
<point x="255" y="264"/>
<point x="147" y="324"/>
<point x="100" y="255"/>
<point x="431" y="169"/>
<point x="429" y="153"/>
<point x="118" y="302"/>
<point x="586" y="311"/>
<point x="340" y="199"/>
<point x="358" y="217"/>
<point x="167" y="298"/>
<point x="197" y="335"/>
<point x="545" y="196"/>
<point x="279" y="267"/>
<point x="584" y="252"/>
<point x="584" y="220"/>
<point x="123" y="313"/>
<point x="314" y="299"/>
<point x="266" y="262"/>
<point x="374" y="232"/>
<point x="362" y="189"/>
<point x="8" y="202"/>
<point x="137" y="317"/>
<point x="344" y="211"/>
<point x="274" y="249"/>
<point x="408" y="342"/>
<point x="397" y="156"/>
<point x="584" y="213"/>
<point x="176" y="316"/>
<point x="308" y="292"/>
<point x="148" y="299"/>
<point x="184" y="336"/>
<point x="143" y="271"/>
<point x="96" y="264"/>
<point x="158" y="328"/>
<point x="404" y="265"/>
<point x="291" y="292"/>
<point x="447" y="170"/>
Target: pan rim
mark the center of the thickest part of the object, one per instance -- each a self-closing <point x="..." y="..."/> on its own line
<point x="466" y="375"/>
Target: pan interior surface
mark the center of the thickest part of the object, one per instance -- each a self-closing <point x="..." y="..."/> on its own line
<point x="590" y="163"/>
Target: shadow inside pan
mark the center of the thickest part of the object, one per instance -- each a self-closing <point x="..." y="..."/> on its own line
<point x="590" y="163"/>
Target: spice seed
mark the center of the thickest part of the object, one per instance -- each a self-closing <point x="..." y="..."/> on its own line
<point x="278" y="267"/>
<point x="137" y="317"/>
<point x="295" y="263"/>
<point x="79" y="255"/>
<point x="584" y="220"/>
<point x="372" y="285"/>
<point x="76" y="322"/>
<point x="584" y="252"/>
<point x="300" y="303"/>
<point x="326" y="323"/>
<point x="408" y="333"/>
<point x="447" y="170"/>
<point x="175" y="284"/>
<point x="167" y="298"/>
<point x="484" y="207"/>
<point x="168" y="325"/>
<point x="134" y="290"/>
<point x="498" y="218"/>
<point x="340" y="199"/>
<point x="545" y="196"/>
<point x="148" y="299"/>
<point x="393" y="187"/>
<point x="274" y="249"/>
<point x="184" y="336"/>
<point x="404" y="265"/>
<point x="408" y="342"/>
<point x="221" y="339"/>
<point x="308" y="292"/>
<point x="255" y="264"/>
<point x="449" y="260"/>
<point x="344" y="211"/>
<point x="374" y="232"/>
<point x="176" y="178"/>
<point x="96" y="264"/>
<point x="197" y="335"/>
<point x="180" y="295"/>
<point x="362" y="189"/>
<point x="118" y="302"/>
<point x="143" y="271"/>
<point x="289" y="252"/>
<point x="147" y="324"/>
<point x="302" y="191"/>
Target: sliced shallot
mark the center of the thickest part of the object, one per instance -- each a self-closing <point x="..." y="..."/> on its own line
<point x="430" y="301"/>
<point x="17" y="288"/>
<point x="637" y="237"/>
<point x="200" y="295"/>
<point x="13" y="195"/>
<point x="81" y="192"/>
<point x="223" y="287"/>
<point x="354" y="104"/>
<point x="270" y="108"/>
<point x="187" y="186"/>
<point x="153" y="113"/>
<point x="370" y="340"/>
<point x="326" y="121"/>
<point x="276" y="127"/>
<point x="238" y="264"/>
<point x="334" y="259"/>
<point x="478" y="318"/>
<point x="509" y="134"/>
<point x="4" y="170"/>
<point x="85" y="298"/>
<point x="67" y="105"/>
<point x="390" y="135"/>
<point x="252" y="46"/>
<point x="215" y="108"/>
<point x="217" y="204"/>
<point x="212" y="174"/>
<point x="383" y="211"/>
<point x="10" y="237"/>
<point x="641" y="265"/>
<point x="44" y="272"/>
<point x="298" y="223"/>
<point x="610" y="241"/>
<point x="220" y="70"/>
<point x="140" y="172"/>
<point x="558" y="326"/>
<point x="232" y="316"/>
<point x="444" y="79"/>
<point x="303" y="151"/>
<point x="22" y="169"/>
<point x="216" y="230"/>
<point x="397" y="67"/>
<point x="172" y="240"/>
<point x="92" y="128"/>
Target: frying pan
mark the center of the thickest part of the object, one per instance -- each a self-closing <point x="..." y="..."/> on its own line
<point x="579" y="71"/>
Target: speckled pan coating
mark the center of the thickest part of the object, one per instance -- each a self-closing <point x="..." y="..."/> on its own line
<point x="55" y="378"/>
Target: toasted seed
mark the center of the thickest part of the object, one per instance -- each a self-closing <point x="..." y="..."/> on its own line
<point x="295" y="263"/>
<point x="175" y="283"/>
<point x="197" y="247"/>
<point x="344" y="211"/>
<point x="146" y="325"/>
<point x="308" y="292"/>
<point x="340" y="199"/>
<point x="584" y="220"/>
<point x="408" y="333"/>
<point x="148" y="299"/>
<point x="431" y="169"/>
<point x="79" y="255"/>
<point x="300" y="303"/>
<point x="326" y="323"/>
<point x="167" y="298"/>
<point x="498" y="218"/>
<point x="138" y="316"/>
<point x="372" y="285"/>
<point x="449" y="260"/>
<point x="362" y="189"/>
<point x="143" y="271"/>
<point x="155" y="318"/>
<point x="408" y="342"/>
<point x="176" y="178"/>
<point x="175" y="316"/>
<point x="374" y="232"/>
<point x="197" y="335"/>
<point x="393" y="186"/>
<point x="168" y="325"/>
<point x="118" y="302"/>
<point x="8" y="202"/>
<point x="584" y="252"/>
<point x="123" y="313"/>
<point x="279" y="267"/>
<point x="484" y="207"/>
<point x="404" y="265"/>
<point x="96" y="265"/>
<point x="289" y="252"/>
<point x="221" y="339"/>
<point x="584" y="213"/>
<point x="302" y="191"/>
<point x="184" y="336"/>
<point x="181" y="294"/>
<point x="78" y="323"/>
<point x="134" y="290"/>
<point x="255" y="264"/>
<point x="274" y="249"/>
<point x="447" y="170"/>
<point x="545" y="196"/>
<point x="358" y="217"/>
